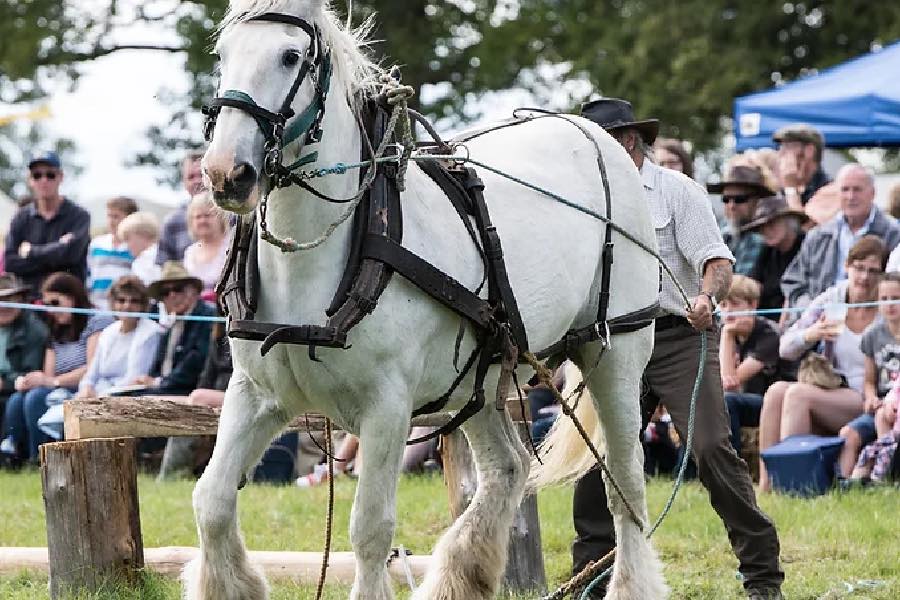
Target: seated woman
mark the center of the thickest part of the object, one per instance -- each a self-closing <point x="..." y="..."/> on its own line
<point x="73" y="338"/>
<point x="205" y="258"/>
<point x="792" y="408"/>
<point x="125" y="349"/>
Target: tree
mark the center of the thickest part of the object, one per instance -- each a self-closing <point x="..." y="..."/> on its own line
<point x="683" y="62"/>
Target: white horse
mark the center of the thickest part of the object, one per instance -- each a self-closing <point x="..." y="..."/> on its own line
<point x="402" y="354"/>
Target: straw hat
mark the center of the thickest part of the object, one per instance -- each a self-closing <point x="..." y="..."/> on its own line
<point x="173" y="272"/>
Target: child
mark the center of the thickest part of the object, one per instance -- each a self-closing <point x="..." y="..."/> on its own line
<point x="108" y="257"/>
<point x="878" y="427"/>
<point x="748" y="356"/>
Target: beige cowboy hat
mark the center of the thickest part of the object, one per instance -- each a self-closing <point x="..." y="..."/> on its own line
<point x="173" y="272"/>
<point x="10" y="285"/>
<point x="769" y="209"/>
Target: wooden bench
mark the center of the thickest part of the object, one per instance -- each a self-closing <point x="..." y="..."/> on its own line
<point x="95" y="470"/>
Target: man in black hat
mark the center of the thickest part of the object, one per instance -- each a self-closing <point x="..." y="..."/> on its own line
<point x="49" y="234"/>
<point x="692" y="246"/>
<point x="741" y="186"/>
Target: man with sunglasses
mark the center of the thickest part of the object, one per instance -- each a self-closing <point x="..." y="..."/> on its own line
<point x="741" y="186"/>
<point x="51" y="233"/>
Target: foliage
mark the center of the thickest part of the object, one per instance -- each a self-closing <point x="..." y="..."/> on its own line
<point x="683" y="62"/>
<point x="825" y="541"/>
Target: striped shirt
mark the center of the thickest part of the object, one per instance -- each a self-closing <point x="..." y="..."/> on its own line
<point x="686" y="230"/>
<point x="106" y="263"/>
<point x="72" y="355"/>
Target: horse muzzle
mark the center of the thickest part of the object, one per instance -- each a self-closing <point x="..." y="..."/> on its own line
<point x="235" y="190"/>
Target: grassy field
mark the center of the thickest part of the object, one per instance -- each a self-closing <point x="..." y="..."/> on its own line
<point x="827" y="543"/>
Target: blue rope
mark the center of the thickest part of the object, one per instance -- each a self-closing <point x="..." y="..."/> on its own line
<point x="112" y="313"/>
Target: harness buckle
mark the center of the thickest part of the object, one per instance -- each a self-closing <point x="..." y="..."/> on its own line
<point x="273" y="159"/>
<point x="392" y="154"/>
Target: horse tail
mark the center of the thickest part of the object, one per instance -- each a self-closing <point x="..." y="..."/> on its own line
<point x="565" y="458"/>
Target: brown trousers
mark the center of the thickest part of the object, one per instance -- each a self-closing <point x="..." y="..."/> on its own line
<point x="669" y="379"/>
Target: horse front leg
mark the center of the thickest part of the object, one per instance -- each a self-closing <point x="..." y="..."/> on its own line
<point x="469" y="559"/>
<point x="382" y="438"/>
<point x="223" y="571"/>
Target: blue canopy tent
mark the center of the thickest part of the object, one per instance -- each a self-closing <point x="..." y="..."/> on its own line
<point x="856" y="103"/>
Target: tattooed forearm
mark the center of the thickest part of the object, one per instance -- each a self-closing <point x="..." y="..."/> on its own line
<point x="717" y="277"/>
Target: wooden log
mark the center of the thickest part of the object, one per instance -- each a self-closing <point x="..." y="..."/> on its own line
<point x="525" y="560"/>
<point x="93" y="523"/>
<point x="301" y="567"/>
<point x="524" y="557"/>
<point x="166" y="416"/>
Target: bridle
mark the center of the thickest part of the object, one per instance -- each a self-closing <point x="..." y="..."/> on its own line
<point x="281" y="128"/>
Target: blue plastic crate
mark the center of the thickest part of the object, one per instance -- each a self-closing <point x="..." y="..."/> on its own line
<point x="803" y="464"/>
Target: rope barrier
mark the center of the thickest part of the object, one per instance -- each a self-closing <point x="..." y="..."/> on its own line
<point x="112" y="313"/>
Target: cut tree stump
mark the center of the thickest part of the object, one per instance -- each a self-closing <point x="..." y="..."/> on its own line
<point x="93" y="523"/>
<point x="525" y="560"/>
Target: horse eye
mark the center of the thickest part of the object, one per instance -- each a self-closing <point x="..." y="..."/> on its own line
<point x="290" y="58"/>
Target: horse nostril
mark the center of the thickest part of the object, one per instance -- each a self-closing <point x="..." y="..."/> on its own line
<point x="243" y="177"/>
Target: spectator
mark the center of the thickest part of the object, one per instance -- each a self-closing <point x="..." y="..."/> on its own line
<point x="50" y="234"/>
<point x="782" y="235"/>
<point x="127" y="347"/>
<point x="175" y="239"/>
<point x="881" y="346"/>
<point x="23" y="338"/>
<point x="672" y="154"/>
<point x="793" y="408"/>
<point x="800" y="173"/>
<point x="73" y="338"/>
<point x="875" y="460"/>
<point x="140" y="232"/>
<point x="894" y="201"/>
<point x="542" y="405"/>
<point x="108" y="257"/>
<point x="741" y="186"/>
<point x="820" y="262"/>
<point x="205" y="258"/>
<point x="748" y="356"/>
<point x="183" y="348"/>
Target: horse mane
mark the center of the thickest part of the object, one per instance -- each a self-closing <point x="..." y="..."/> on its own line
<point x="353" y="67"/>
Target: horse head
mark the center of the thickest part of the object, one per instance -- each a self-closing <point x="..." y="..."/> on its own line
<point x="275" y="68"/>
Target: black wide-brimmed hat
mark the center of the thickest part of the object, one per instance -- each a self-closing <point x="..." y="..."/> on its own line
<point x="769" y="209"/>
<point x="613" y="113"/>
<point x="744" y="175"/>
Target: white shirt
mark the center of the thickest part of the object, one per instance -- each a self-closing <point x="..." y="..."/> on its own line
<point x="145" y="267"/>
<point x="686" y="230"/>
<point x="120" y="357"/>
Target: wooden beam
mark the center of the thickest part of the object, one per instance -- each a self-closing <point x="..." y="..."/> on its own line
<point x="302" y="567"/>
<point x="166" y="416"/>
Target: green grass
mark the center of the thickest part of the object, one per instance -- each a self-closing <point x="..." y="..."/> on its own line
<point x="825" y="541"/>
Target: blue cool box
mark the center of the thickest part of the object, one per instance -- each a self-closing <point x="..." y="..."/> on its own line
<point x="803" y="464"/>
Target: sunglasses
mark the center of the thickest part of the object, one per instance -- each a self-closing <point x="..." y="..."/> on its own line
<point x="38" y="175"/>
<point x="127" y="300"/>
<point x="53" y="302"/>
<point x="165" y="290"/>
<point x="738" y="199"/>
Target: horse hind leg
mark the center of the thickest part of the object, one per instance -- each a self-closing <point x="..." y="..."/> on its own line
<point x="469" y="559"/>
<point x="615" y="386"/>
<point x="223" y="571"/>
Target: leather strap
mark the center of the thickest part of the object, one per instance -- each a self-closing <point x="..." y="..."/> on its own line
<point x="428" y="278"/>
<point x="575" y="338"/>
